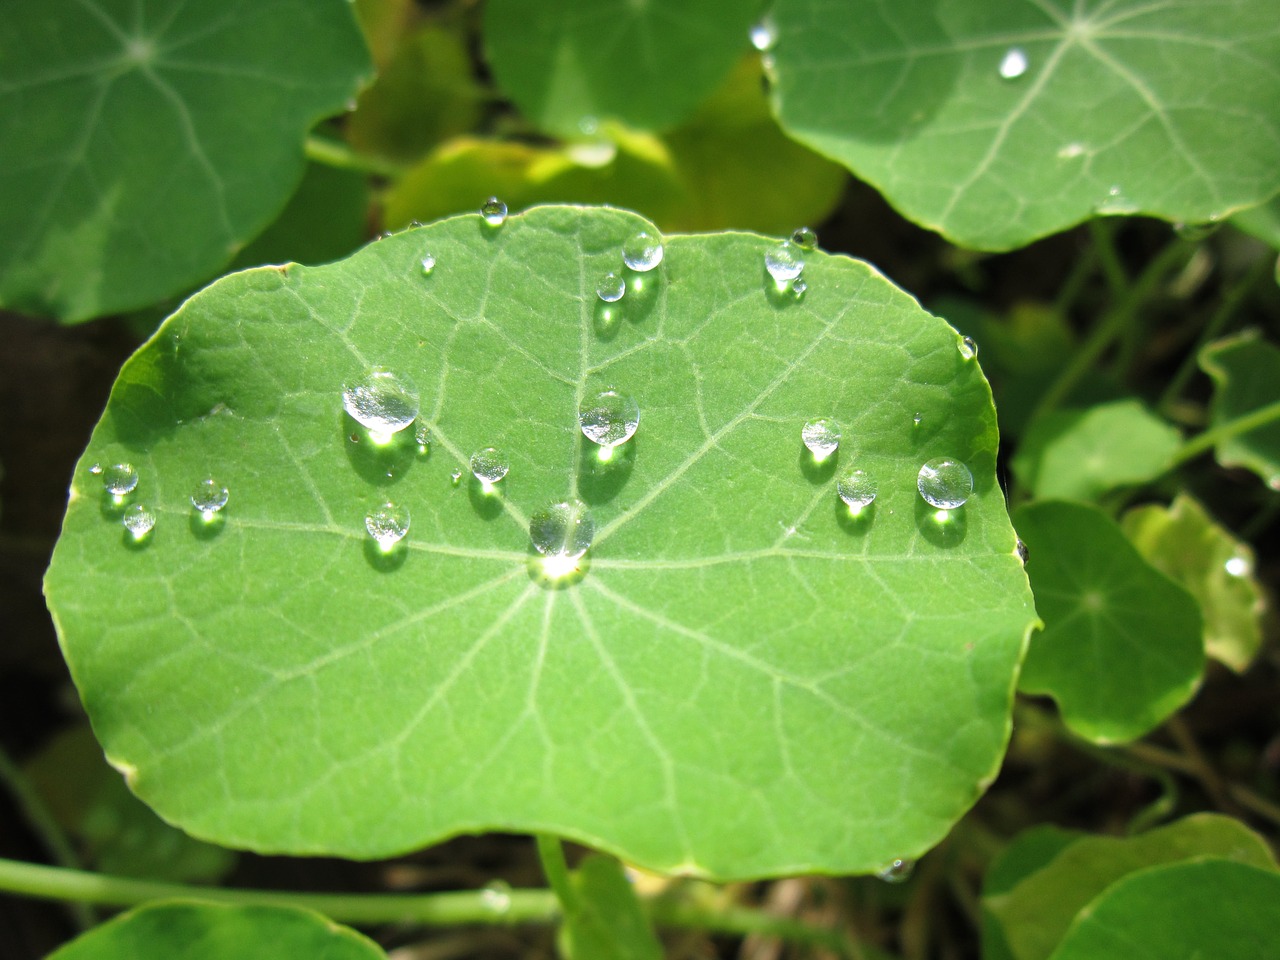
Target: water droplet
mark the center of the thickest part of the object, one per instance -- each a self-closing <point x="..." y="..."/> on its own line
<point x="1023" y="553"/>
<point x="209" y="497"/>
<point x="857" y="488"/>
<point x="428" y="264"/>
<point x="120" y="479"/>
<point x="496" y="897"/>
<point x="456" y="477"/>
<point x="494" y="212"/>
<point x="489" y="465"/>
<point x="945" y="483"/>
<point x="764" y="34"/>
<point x="917" y="420"/>
<point x="1195" y="232"/>
<point x="387" y="524"/>
<point x="1014" y="63"/>
<point x="611" y="288"/>
<point x="1237" y="566"/>
<point x="562" y="530"/>
<point x="422" y="437"/>
<point x="642" y="252"/>
<point x="139" y="520"/>
<point x="588" y="125"/>
<point x="609" y="418"/>
<point x="383" y="403"/>
<point x="821" y="436"/>
<point x="804" y="238"/>
<point x="896" y="871"/>
<point x="968" y="348"/>
<point x="96" y="470"/>
<point x="799" y="287"/>
<point x="784" y="262"/>
<point x="1116" y="202"/>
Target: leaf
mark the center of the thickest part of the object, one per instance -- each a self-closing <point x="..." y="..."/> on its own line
<point x="1081" y="454"/>
<point x="566" y="64"/>
<point x="1030" y="851"/>
<point x="1185" y="543"/>
<point x="211" y="931"/>
<point x="1246" y="373"/>
<point x="607" y="921"/>
<point x="1122" y="644"/>
<point x="1262" y="221"/>
<point x="141" y="147"/>
<point x="1165" y="913"/>
<point x="1123" y="106"/>
<point x="745" y="680"/>
<point x="1035" y="912"/>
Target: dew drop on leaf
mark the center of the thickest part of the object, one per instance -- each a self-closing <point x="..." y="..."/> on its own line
<point x="139" y="520"/>
<point x="428" y="264"/>
<point x="945" y="483"/>
<point x="784" y="262"/>
<point x="968" y="348"/>
<point x="1023" y="553"/>
<point x="209" y="497"/>
<point x="494" y="212"/>
<point x="489" y="465"/>
<point x="804" y="238"/>
<point x="611" y="288"/>
<point x="821" y="436"/>
<point x="382" y="402"/>
<point x="857" y="488"/>
<point x="563" y="530"/>
<point x="799" y="288"/>
<point x="1014" y="63"/>
<point x="764" y="34"/>
<point x="1237" y="566"/>
<point x="642" y="252"/>
<point x="96" y="470"/>
<point x="119" y="479"/>
<point x="609" y="418"/>
<point x="456" y="477"/>
<point x="896" y="871"/>
<point x="388" y="524"/>
<point x="496" y="897"/>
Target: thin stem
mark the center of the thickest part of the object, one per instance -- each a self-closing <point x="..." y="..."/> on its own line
<point x="1081" y="270"/>
<point x="334" y="153"/>
<point x="1203" y="442"/>
<point x="556" y="868"/>
<point x="1104" y="246"/>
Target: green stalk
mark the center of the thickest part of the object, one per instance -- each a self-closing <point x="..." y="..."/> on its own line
<point x="334" y="153"/>
<point x="556" y="868"/>
<point x="1203" y="442"/>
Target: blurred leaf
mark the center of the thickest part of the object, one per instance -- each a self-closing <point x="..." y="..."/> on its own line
<point x="384" y="23"/>
<point x="606" y="921"/>
<point x="1122" y="645"/>
<point x="1029" y="852"/>
<point x="1081" y="454"/>
<point x="1183" y="541"/>
<point x="1246" y="375"/>
<point x="1262" y="221"/>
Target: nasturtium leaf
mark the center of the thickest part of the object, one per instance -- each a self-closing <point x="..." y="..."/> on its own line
<point x="1186" y="911"/>
<point x="142" y="144"/>
<point x="1029" y="852"/>
<point x="182" y="930"/>
<point x="741" y="679"/>
<point x="1081" y="454"/>
<point x="1002" y="121"/>
<point x="1246" y="375"/>
<point x="1183" y="541"/>
<point x="606" y="920"/>
<point x="568" y="65"/>
<point x="1122" y="644"/>
<point x="1035" y="912"/>
<point x="1262" y="221"/>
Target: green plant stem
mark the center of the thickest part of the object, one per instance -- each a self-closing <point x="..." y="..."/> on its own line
<point x="1203" y="442"/>
<point x="556" y="869"/>
<point x="1103" y="233"/>
<point x="334" y="153"/>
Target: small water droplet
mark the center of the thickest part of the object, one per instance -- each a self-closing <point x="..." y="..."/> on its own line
<point x="1237" y="566"/>
<point x="609" y="418"/>
<point x="496" y="897"/>
<point x="562" y="530"/>
<point x="588" y="125"/>
<point x="968" y="348"/>
<point x="139" y="520"/>
<point x="388" y="524"/>
<point x="1014" y="63"/>
<point x="821" y="436"/>
<point x="382" y="402"/>
<point x="642" y="252"/>
<point x="494" y="212"/>
<point x="611" y="288"/>
<point x="857" y="488"/>
<point x="1115" y="202"/>
<point x="422" y="437"/>
<point x="209" y="497"/>
<point x="896" y="871"/>
<point x="799" y="288"/>
<point x="764" y="34"/>
<point x="784" y="262"/>
<point x="489" y="465"/>
<point x="804" y="238"/>
<point x="428" y="264"/>
<point x="456" y="477"/>
<point x="917" y="420"/>
<point x="1023" y="553"/>
<point x="96" y="470"/>
<point x="945" y="483"/>
<point x="120" y="479"/>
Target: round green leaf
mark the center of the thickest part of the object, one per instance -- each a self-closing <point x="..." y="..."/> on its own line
<point x="1213" y="908"/>
<point x="208" y="931"/>
<point x="1122" y="645"/>
<point x="568" y="64"/>
<point x="1122" y="106"/>
<point x="605" y="920"/>
<point x="743" y="679"/>
<point x="1246" y="374"/>
<point x="141" y="145"/>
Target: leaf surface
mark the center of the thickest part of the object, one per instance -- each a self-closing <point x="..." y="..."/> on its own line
<point x="1246" y="375"/>
<point x="606" y="921"/>
<point x="142" y="144"/>
<point x="744" y="680"/>
<point x="1122" y="106"/>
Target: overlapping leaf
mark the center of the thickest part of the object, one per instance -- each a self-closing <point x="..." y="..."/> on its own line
<point x="1246" y="373"/>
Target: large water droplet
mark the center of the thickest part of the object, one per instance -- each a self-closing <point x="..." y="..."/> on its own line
<point x="119" y="479"/>
<point x="857" y="488"/>
<point x="387" y="523"/>
<point x="804" y="238"/>
<point x="1023" y="553"/>
<point x="489" y="465"/>
<point x="764" y="34"/>
<point x="821" y="436"/>
<point x="642" y="252"/>
<point x="609" y="418"/>
<point x="611" y="288"/>
<point x="428" y="264"/>
<point x="1014" y="63"/>
<point x="139" y="520"/>
<point x="896" y="871"/>
<point x="382" y="402"/>
<point x="562" y="530"/>
<point x="209" y="497"/>
<point x="968" y="348"/>
<point x="494" y="212"/>
<point x="784" y="262"/>
<point x="945" y="483"/>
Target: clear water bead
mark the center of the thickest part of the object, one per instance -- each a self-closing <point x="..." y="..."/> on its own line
<point x="119" y="479"/>
<point x="1238" y="566"/>
<point x="609" y="418"/>
<point x="494" y="212"/>
<point x="784" y="262"/>
<point x="764" y="34"/>
<point x="382" y="402"/>
<point x="96" y="470"/>
<point x="945" y="483"/>
<point x="387" y="524"/>
<point x="456" y="477"/>
<point x="209" y="496"/>
<point x="799" y="288"/>
<point x="489" y="465"/>
<point x="821" y="436"/>
<point x="1023" y="553"/>
<point x="804" y="238"/>
<point x="896" y="871"/>
<point x="422" y="437"/>
<point x="968" y="348"/>
<point x="642" y="252"/>
<point x="1014" y="63"/>
<point x="428" y="264"/>
<point x="562" y="530"/>
<point x="611" y="288"/>
<point x="857" y="488"/>
<point x="139" y="520"/>
<point x="496" y="897"/>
